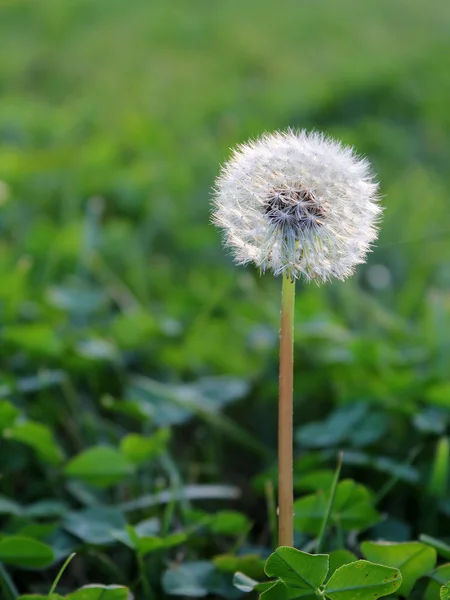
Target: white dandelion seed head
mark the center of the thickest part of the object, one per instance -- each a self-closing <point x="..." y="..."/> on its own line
<point x="299" y="204"/>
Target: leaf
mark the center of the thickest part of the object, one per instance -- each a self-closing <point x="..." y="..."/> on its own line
<point x="352" y="509"/>
<point x="298" y="569"/>
<point x="354" y="424"/>
<point x="46" y="509"/>
<point x="142" y="544"/>
<point x="127" y="536"/>
<point x="229" y="522"/>
<point x="63" y="544"/>
<point x="141" y="537"/>
<point x="400" y="470"/>
<point x="43" y="379"/>
<point x="175" y="539"/>
<point x="431" y="420"/>
<point x="362" y="580"/>
<point x="173" y="405"/>
<point x="339" y="558"/>
<point x="133" y="328"/>
<point x="222" y="390"/>
<point x="146" y="545"/>
<point x="250" y="564"/>
<point x="188" y="579"/>
<point x="369" y="430"/>
<point x="100" y="592"/>
<point x="8" y="414"/>
<point x="244" y="583"/>
<point x="40" y="438"/>
<point x="76" y="299"/>
<point x="37" y="531"/>
<point x="220" y="585"/>
<point x="266" y="585"/>
<point x="148" y="527"/>
<point x="437" y="485"/>
<point x="158" y="402"/>
<point x="333" y="430"/>
<point x="438" y="577"/>
<point x="35" y="338"/>
<point x="10" y="507"/>
<point x="130" y="408"/>
<point x="100" y="466"/>
<point x="320" y="479"/>
<point x="138" y="449"/>
<point x="149" y="544"/>
<point x="392" y="529"/>
<point x="25" y="552"/>
<point x="441" y="575"/>
<point x="439" y="394"/>
<point x="279" y="591"/>
<point x="445" y="592"/>
<point x="97" y="349"/>
<point x="94" y="525"/>
<point x="413" y="559"/>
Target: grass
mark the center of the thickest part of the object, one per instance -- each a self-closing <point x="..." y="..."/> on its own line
<point x="121" y="315"/>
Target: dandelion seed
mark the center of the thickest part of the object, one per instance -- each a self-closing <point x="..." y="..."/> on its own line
<point x="299" y="204"/>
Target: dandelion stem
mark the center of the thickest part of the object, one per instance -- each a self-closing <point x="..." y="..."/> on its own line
<point x="285" y="417"/>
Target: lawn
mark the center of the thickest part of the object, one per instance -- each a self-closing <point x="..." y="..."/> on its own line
<point x="138" y="373"/>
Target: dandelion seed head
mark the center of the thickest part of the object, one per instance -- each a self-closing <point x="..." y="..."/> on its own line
<point x="299" y="204"/>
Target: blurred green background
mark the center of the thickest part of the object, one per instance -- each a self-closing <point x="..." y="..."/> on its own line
<point x="121" y="313"/>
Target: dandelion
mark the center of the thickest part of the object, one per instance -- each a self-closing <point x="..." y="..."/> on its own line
<point x="298" y="204"/>
<point x="301" y="205"/>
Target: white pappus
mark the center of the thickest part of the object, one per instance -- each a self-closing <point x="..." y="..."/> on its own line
<point x="299" y="204"/>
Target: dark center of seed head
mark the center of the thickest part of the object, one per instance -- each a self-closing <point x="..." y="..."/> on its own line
<point x="294" y="209"/>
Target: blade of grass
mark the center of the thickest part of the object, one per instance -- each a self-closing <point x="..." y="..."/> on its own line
<point x="271" y="511"/>
<point x="177" y="483"/>
<point x="189" y="492"/>
<point x="326" y="517"/>
<point x="390" y="483"/>
<point x="61" y="571"/>
<point x="437" y="486"/>
<point x="145" y="583"/>
<point x="10" y="592"/>
<point x="441" y="548"/>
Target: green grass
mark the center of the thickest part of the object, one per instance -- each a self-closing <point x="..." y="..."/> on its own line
<point x="114" y="119"/>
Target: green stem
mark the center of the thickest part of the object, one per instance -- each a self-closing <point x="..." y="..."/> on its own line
<point x="144" y="579"/>
<point x="441" y="548"/>
<point x="326" y="517"/>
<point x="285" y="417"/>
<point x="7" y="584"/>
<point x="271" y="510"/>
<point x="61" y="571"/>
